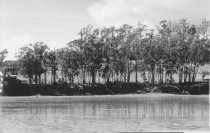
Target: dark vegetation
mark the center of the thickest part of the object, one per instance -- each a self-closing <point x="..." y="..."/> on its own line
<point x="102" y="61"/>
<point x="17" y="88"/>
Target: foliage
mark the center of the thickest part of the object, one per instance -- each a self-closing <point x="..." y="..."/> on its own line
<point x="174" y="48"/>
<point x="31" y="58"/>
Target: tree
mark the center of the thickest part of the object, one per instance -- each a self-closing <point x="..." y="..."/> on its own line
<point x="71" y="65"/>
<point x="51" y="60"/>
<point x="60" y="55"/>
<point x="93" y="48"/>
<point x="31" y="59"/>
<point x="115" y="53"/>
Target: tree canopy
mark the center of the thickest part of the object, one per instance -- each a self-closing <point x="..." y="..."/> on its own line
<point x="113" y="54"/>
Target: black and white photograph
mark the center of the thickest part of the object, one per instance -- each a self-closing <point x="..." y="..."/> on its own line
<point x="104" y="66"/>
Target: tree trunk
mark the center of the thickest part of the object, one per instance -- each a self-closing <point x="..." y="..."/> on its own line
<point x="93" y="76"/>
<point x="72" y="79"/>
<point x="180" y="75"/>
<point x="189" y="75"/>
<point x="36" y="79"/>
<point x="165" y="78"/>
<point x="143" y="75"/>
<point x="153" y="74"/>
<point x="39" y="79"/>
<point x="136" y="76"/>
<point x="121" y="77"/>
<point x="89" y="78"/>
<point x="78" y="79"/>
<point x="194" y="72"/>
<point x="112" y="76"/>
<point x="51" y="78"/>
<point x="124" y="77"/>
<point x="62" y="76"/>
<point x="171" y="78"/>
<point x="83" y="77"/>
<point x="99" y="75"/>
<point x="45" y="77"/>
<point x="128" y="76"/>
<point x="185" y="74"/>
<point x="30" y="79"/>
<point x="107" y="80"/>
<point x="117" y="78"/>
<point x="54" y="75"/>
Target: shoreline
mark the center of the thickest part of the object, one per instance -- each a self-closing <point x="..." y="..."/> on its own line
<point x="117" y="95"/>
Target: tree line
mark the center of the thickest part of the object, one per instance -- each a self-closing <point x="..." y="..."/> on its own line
<point x="113" y="54"/>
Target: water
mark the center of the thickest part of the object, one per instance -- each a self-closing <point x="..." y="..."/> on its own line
<point x="136" y="113"/>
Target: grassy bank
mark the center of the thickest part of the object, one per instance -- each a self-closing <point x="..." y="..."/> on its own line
<point x="14" y="87"/>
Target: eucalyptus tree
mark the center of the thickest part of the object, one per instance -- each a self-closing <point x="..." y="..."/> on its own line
<point x="199" y="48"/>
<point x="95" y="54"/>
<point x="60" y="56"/>
<point x="179" y="46"/>
<point x="136" y="48"/>
<point x="109" y="39"/>
<point x="149" y="55"/>
<point x="186" y="49"/>
<point x="31" y="59"/>
<point x="71" y="66"/>
<point x="92" y="50"/>
<point x="126" y="39"/>
<point x="78" y="47"/>
<point x="52" y="63"/>
<point x="167" y="53"/>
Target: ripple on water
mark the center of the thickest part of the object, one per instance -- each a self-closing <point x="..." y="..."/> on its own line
<point x="104" y="114"/>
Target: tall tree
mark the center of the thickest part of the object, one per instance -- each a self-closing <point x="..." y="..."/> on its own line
<point x="31" y="58"/>
<point x="52" y="62"/>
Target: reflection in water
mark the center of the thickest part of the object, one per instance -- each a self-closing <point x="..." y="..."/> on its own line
<point x="104" y="113"/>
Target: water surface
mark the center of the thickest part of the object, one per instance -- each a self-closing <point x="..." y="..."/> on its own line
<point x="132" y="113"/>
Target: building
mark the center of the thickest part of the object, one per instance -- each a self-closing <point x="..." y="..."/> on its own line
<point x="10" y="67"/>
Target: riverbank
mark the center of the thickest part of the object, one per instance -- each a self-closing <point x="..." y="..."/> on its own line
<point x="14" y="87"/>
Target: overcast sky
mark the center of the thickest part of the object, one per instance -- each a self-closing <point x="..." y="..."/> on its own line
<point x="57" y="22"/>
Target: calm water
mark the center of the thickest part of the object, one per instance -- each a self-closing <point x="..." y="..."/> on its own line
<point x="104" y="114"/>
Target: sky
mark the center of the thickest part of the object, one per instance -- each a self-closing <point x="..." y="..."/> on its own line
<point x="57" y="22"/>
